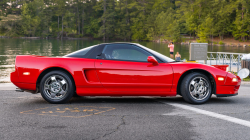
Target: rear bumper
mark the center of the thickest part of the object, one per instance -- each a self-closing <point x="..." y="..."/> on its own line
<point x="14" y="77"/>
<point x="26" y="86"/>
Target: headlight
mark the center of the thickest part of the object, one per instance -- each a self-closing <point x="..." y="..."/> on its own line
<point x="235" y="80"/>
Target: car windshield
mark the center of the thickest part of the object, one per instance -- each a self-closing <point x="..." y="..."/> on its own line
<point x="81" y="52"/>
<point x="160" y="56"/>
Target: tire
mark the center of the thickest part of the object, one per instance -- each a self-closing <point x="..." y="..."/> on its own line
<point x="57" y="87"/>
<point x="196" y="88"/>
<point x="76" y="96"/>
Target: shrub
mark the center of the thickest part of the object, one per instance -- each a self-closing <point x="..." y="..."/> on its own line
<point x="221" y="43"/>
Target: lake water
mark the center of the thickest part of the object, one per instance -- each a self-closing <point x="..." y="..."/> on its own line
<point x="9" y="48"/>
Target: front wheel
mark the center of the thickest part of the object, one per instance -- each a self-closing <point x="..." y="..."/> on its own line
<point x="196" y="88"/>
<point x="57" y="87"/>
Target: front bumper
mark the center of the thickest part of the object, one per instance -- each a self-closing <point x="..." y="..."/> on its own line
<point x="229" y="89"/>
<point x="226" y="95"/>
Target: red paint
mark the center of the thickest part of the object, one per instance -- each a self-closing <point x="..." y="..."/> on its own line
<point x="98" y="77"/>
<point x="222" y="67"/>
<point x="129" y="78"/>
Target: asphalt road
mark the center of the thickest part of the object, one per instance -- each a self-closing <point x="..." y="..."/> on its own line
<point x="27" y="116"/>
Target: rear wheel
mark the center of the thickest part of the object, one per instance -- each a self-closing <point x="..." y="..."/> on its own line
<point x="57" y="87"/>
<point x="196" y="88"/>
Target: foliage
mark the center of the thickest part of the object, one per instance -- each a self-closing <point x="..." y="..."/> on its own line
<point x="127" y="19"/>
<point x="246" y="79"/>
<point x="221" y="43"/>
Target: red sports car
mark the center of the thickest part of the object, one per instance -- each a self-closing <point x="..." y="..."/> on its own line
<point x="120" y="69"/>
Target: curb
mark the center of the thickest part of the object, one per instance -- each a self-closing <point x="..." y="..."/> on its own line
<point x="245" y="83"/>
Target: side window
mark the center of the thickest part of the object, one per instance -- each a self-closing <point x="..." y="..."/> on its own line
<point x="125" y="52"/>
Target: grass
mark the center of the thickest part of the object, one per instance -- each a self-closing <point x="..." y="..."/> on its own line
<point x="4" y="81"/>
<point x="246" y="79"/>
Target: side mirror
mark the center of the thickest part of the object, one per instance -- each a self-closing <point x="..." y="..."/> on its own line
<point x="152" y="60"/>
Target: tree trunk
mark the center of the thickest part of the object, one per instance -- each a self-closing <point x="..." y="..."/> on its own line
<point x="104" y="20"/>
<point x="144" y="7"/>
<point x="67" y="26"/>
<point x="62" y="27"/>
<point x="113" y="20"/>
<point x="78" y="19"/>
<point x="200" y="11"/>
<point x="242" y="14"/>
<point x="48" y="31"/>
<point x="127" y="17"/>
<point x="212" y="39"/>
<point x="58" y="22"/>
<point x="83" y="22"/>
<point x="120" y="3"/>
<point x="76" y="26"/>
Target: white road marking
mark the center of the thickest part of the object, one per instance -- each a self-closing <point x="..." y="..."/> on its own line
<point x="212" y="114"/>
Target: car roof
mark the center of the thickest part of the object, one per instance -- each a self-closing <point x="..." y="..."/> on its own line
<point x="119" y="43"/>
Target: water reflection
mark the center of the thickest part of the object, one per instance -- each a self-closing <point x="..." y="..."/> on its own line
<point x="9" y="48"/>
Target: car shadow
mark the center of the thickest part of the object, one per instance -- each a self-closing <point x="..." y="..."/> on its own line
<point x="136" y="100"/>
<point x="113" y="100"/>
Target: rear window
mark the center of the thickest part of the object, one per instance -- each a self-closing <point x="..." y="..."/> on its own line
<point x="80" y="53"/>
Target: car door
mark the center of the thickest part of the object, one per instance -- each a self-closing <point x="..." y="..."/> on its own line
<point x="124" y="68"/>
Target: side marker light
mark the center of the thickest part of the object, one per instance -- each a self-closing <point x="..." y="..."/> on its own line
<point x="26" y="73"/>
<point x="221" y="79"/>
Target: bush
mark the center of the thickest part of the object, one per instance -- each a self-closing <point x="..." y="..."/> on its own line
<point x="221" y="43"/>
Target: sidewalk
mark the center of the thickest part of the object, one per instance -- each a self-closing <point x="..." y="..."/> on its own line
<point x="7" y="86"/>
<point x="245" y="83"/>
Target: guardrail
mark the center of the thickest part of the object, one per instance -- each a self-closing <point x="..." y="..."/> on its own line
<point x="225" y="58"/>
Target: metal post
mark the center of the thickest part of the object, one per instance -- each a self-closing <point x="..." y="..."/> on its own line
<point x="210" y="58"/>
<point x="219" y="58"/>
<point x="223" y="58"/>
<point x="216" y="57"/>
<point x="230" y="62"/>
<point x="238" y="63"/>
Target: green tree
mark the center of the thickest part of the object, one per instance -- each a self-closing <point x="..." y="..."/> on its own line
<point x="242" y="20"/>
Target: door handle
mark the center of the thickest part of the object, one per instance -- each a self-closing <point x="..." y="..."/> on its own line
<point x="100" y="63"/>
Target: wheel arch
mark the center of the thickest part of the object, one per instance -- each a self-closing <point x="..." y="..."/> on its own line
<point x="45" y="71"/>
<point x="210" y="76"/>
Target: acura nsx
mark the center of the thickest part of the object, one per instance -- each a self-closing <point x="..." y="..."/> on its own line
<point x="120" y="69"/>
